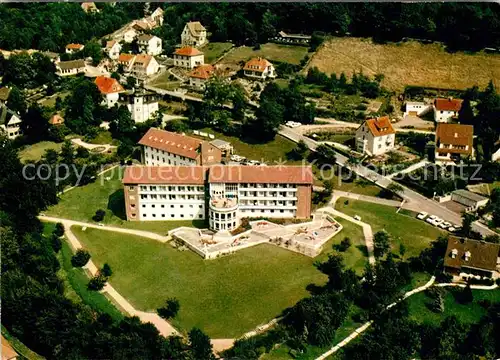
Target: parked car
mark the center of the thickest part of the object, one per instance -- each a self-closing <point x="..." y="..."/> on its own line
<point x="422" y="215"/>
<point x="293" y="124"/>
<point x="431" y="219"/>
<point x="437" y="222"/>
<point x="445" y="225"/>
<point x="357" y="217"/>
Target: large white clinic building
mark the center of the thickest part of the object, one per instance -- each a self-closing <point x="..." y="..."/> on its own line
<point x="221" y="194"/>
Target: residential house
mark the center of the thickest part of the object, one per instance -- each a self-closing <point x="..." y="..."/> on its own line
<point x="156" y="18"/>
<point x="259" y="68"/>
<point x="471" y="200"/>
<point x="56" y="120"/>
<point x="4" y="95"/>
<point x="188" y="57"/>
<point x="471" y="258"/>
<point x="141" y="26"/>
<point x="129" y="35"/>
<point x="10" y="122"/>
<point x="233" y="193"/>
<point x="72" y="67"/>
<point x="194" y="34"/>
<point x="8" y="352"/>
<point x="89" y="7"/>
<point x="141" y="104"/>
<point x="375" y="136"/>
<point x="73" y="48"/>
<point x="417" y="108"/>
<point x="141" y="65"/>
<point x="446" y="109"/>
<point x="149" y="44"/>
<point x="453" y="143"/>
<point x="110" y="90"/>
<point x="162" y="147"/>
<point x="298" y="39"/>
<point x="200" y="75"/>
<point x="113" y="49"/>
<point x="224" y="146"/>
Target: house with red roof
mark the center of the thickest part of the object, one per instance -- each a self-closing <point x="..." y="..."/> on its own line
<point x="375" y="136"/>
<point x="454" y="142"/>
<point x="188" y="57"/>
<point x="141" y="65"/>
<point x="200" y="75"/>
<point x="259" y="68"/>
<point x="446" y="109"/>
<point x="110" y="90"/>
<point x="73" y="48"/>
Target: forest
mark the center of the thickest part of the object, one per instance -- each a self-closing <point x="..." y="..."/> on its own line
<point x="471" y="26"/>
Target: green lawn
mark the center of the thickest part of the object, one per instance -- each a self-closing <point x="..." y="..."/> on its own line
<point x="35" y="152"/>
<point x="81" y="204"/>
<point x="272" y="152"/>
<point x="355" y="256"/>
<point x="166" y="81"/>
<point x="225" y="297"/>
<point x="415" y="234"/>
<point x="103" y="137"/>
<point x="51" y="101"/>
<point x="284" y="53"/>
<point x="214" y="50"/>
<point x="469" y="313"/>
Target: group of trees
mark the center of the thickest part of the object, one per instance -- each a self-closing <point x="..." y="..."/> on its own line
<point x="276" y="106"/>
<point x="485" y="120"/>
<point x="360" y="83"/>
<point x="251" y="23"/>
<point x="27" y="71"/>
<point x="51" y="27"/>
<point x="34" y="307"/>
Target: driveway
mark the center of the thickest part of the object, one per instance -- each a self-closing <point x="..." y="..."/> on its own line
<point x="89" y="146"/>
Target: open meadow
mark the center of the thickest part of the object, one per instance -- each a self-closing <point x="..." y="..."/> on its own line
<point x="270" y="51"/>
<point x="408" y="63"/>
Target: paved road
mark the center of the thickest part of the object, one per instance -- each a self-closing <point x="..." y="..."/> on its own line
<point x="423" y="203"/>
<point x="89" y="146"/>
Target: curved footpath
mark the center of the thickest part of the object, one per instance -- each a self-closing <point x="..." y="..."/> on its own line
<point x="366" y="325"/>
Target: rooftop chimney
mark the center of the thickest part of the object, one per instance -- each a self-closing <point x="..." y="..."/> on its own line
<point x="456" y="134"/>
<point x="454" y="253"/>
<point x="467" y="256"/>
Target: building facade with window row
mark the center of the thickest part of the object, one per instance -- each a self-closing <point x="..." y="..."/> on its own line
<point x="221" y="194"/>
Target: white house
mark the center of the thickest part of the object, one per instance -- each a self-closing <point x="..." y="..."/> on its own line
<point x="200" y="75"/>
<point x="89" y="7"/>
<point x="194" y="34"/>
<point x="375" y="136"/>
<point x="188" y="57"/>
<point x="141" y="104"/>
<point x="72" y="48"/>
<point x="110" y="90"/>
<point x="446" y="109"/>
<point x="10" y="122"/>
<point x="141" y="65"/>
<point x="259" y="68"/>
<point x="149" y="44"/>
<point x="129" y="35"/>
<point x="113" y="49"/>
<point x="453" y="143"/>
<point x="417" y="108"/>
<point x="72" y="67"/>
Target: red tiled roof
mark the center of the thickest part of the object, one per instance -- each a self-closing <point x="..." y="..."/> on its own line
<point x="142" y="60"/>
<point x="381" y="126"/>
<point x="188" y="51"/>
<point x="164" y="175"/>
<point x="261" y="174"/>
<point x="74" y="46"/>
<point x="171" y="142"/>
<point x="483" y="255"/>
<point x="257" y="64"/>
<point x="202" y="72"/>
<point x="126" y="57"/>
<point x="448" y="104"/>
<point x="110" y="44"/>
<point x="56" y="119"/>
<point x="108" y="85"/>
<point x="456" y="135"/>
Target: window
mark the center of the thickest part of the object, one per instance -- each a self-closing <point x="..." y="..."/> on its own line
<point x="154" y="215"/>
<point x="200" y="206"/>
<point x="181" y="206"/>
<point x="132" y="206"/>
<point x="182" y="215"/>
<point x="191" y="206"/>
<point x="152" y="206"/>
<point x="131" y="188"/>
<point x="200" y="216"/>
<point x="143" y="206"/>
<point x="162" y="215"/>
<point x="171" y="215"/>
<point x="163" y="206"/>
<point x="171" y="206"/>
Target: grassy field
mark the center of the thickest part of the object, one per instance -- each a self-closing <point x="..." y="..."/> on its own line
<point x="284" y="53"/>
<point x="355" y="256"/>
<point x="36" y="151"/>
<point x="51" y="101"/>
<point x="469" y="313"/>
<point x="409" y="63"/>
<point x="103" y="137"/>
<point x="81" y="204"/>
<point x="272" y="152"/>
<point x="214" y="50"/>
<point x="415" y="234"/>
<point x="225" y="297"/>
<point x="166" y="81"/>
